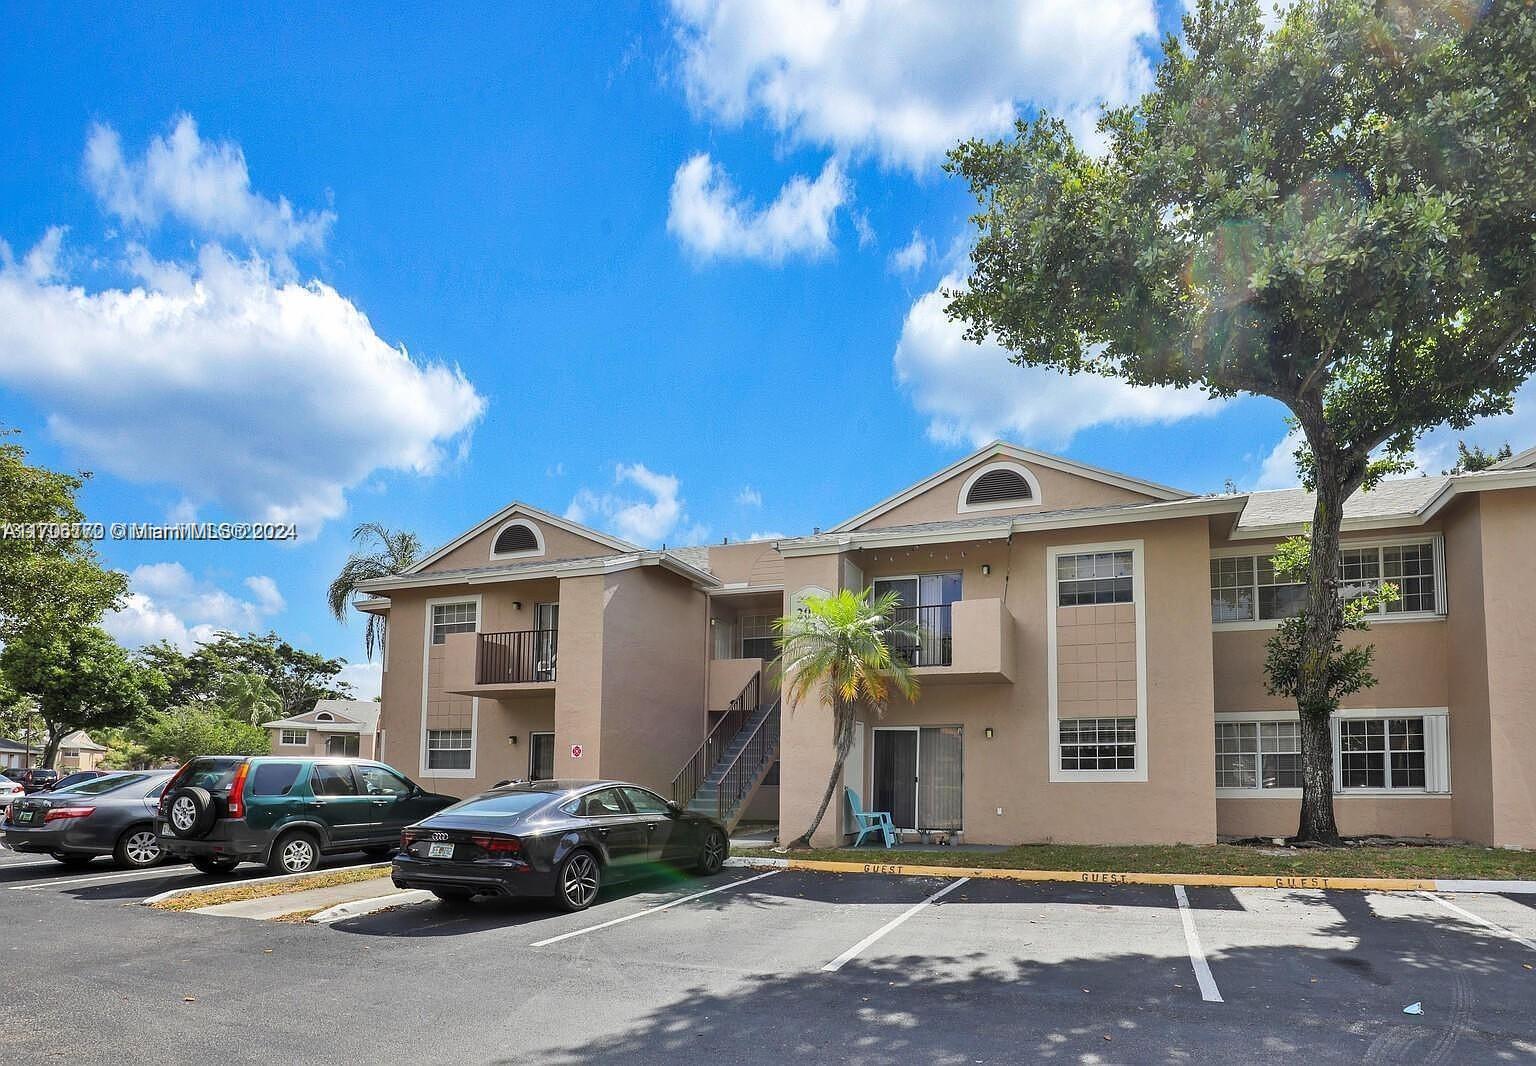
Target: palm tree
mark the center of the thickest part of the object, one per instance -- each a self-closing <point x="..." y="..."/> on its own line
<point x="396" y="553"/>
<point x="839" y="646"/>
<point x="250" y="698"/>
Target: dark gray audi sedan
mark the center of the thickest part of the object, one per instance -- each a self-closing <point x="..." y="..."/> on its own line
<point x="111" y="815"/>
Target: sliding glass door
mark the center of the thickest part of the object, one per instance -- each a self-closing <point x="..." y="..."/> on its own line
<point x="919" y="776"/>
<point x="923" y="637"/>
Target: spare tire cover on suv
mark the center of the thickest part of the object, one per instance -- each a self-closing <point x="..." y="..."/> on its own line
<point x="191" y="812"/>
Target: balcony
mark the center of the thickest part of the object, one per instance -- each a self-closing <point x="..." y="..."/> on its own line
<point x="967" y="641"/>
<point x="500" y="664"/>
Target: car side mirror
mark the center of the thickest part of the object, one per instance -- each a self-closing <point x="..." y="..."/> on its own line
<point x="677" y="807"/>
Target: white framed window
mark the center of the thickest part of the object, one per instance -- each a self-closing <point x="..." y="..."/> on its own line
<point x="449" y="749"/>
<point x="1092" y="575"/>
<point x="759" y="638"/>
<point x="1245" y="590"/>
<point x="452" y="618"/>
<point x="293" y="737"/>
<point x="1098" y="743"/>
<point x="1375" y="752"/>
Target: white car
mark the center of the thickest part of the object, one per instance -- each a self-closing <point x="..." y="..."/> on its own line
<point x="9" y="790"/>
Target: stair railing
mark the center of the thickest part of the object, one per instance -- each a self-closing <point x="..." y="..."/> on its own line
<point x="748" y="767"/>
<point x="686" y="784"/>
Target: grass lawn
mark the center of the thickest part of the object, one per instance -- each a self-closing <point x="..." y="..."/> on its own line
<point x="232" y="893"/>
<point x="1356" y="861"/>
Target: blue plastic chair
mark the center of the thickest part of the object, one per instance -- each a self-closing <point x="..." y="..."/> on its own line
<point x="869" y="822"/>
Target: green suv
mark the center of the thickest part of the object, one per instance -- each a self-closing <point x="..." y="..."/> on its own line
<point x="222" y="810"/>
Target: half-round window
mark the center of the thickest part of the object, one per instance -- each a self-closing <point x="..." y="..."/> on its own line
<point x="325" y="716"/>
<point x="517" y="538"/>
<point x="1002" y="485"/>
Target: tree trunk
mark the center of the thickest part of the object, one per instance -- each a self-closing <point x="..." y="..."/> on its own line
<point x="1322" y="618"/>
<point x="843" y="716"/>
<point x="51" y="746"/>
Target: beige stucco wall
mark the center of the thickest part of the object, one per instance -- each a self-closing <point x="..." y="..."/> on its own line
<point x="806" y="734"/>
<point x="1411" y="666"/>
<point x="1508" y="520"/>
<point x="1059" y="490"/>
<point x="1407" y="816"/>
<point x="754" y="562"/>
<point x="1011" y="771"/>
<point x="1096" y="661"/>
<point x="558" y="544"/>
<point x="1467" y="667"/>
<point x="316" y="746"/>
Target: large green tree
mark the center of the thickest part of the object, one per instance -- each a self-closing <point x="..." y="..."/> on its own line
<point x="181" y="733"/>
<point x="1339" y="215"/>
<point x="213" y="672"/>
<point x="78" y="678"/>
<point x="381" y="552"/>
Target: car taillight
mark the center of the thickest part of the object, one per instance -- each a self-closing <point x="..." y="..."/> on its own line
<point x="236" y="801"/>
<point x="58" y="813"/>
<point x="409" y="837"/>
<point x="498" y="845"/>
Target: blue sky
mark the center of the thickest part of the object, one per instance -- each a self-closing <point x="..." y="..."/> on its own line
<point x="669" y="268"/>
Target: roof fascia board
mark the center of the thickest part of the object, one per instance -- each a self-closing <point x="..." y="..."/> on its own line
<point x="1001" y="449"/>
<point x="525" y="510"/>
<point x="610" y="565"/>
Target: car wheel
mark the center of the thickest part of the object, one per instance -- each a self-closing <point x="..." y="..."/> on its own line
<point x="294" y="853"/>
<point x="214" y="866"/>
<point x="712" y="853"/>
<point x="138" y="848"/>
<point x="578" y="880"/>
<point x="190" y="812"/>
<point x="453" y="895"/>
<point x="74" y="862"/>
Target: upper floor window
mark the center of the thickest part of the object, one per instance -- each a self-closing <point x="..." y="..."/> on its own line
<point x="517" y="538"/>
<point x="1245" y="588"/>
<point x="999" y="485"/>
<point x="452" y="618"/>
<point x="1095" y="577"/>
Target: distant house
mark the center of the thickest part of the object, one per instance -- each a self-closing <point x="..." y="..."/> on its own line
<point x="14" y="754"/>
<point x="333" y="727"/>
<point x="79" y="752"/>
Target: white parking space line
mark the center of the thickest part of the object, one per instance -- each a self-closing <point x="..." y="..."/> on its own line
<point x="121" y="875"/>
<point x="1203" y="977"/>
<point x="1448" y="905"/>
<point x="651" y="910"/>
<point x="837" y="963"/>
<point x="4" y="866"/>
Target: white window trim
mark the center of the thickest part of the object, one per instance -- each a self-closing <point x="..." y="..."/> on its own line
<point x="1437" y="755"/>
<point x="1436" y="540"/>
<point x="474" y="701"/>
<point x="471" y="749"/>
<point x="1033" y="502"/>
<point x="284" y="742"/>
<point x="526" y="553"/>
<point x="1137" y="548"/>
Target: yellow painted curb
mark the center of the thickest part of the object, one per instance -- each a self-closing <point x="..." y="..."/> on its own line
<point x="1104" y="877"/>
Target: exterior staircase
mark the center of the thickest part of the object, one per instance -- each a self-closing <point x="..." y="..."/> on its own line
<point x="726" y="771"/>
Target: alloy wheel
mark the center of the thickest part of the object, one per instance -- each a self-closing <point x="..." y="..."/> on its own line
<point x="142" y="848"/>
<point x="183" y="814"/>
<point x="580" y="881"/>
<point x="298" y="855"/>
<point x="714" y="850"/>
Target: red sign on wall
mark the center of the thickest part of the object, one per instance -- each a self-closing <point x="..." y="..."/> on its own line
<point x="575" y="751"/>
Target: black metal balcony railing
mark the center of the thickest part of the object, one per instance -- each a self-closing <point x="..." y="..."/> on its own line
<point x="923" y="636"/>
<point x="519" y="656"/>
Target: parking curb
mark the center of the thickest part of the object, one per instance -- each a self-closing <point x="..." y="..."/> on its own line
<point x="356" y="908"/>
<point x="1108" y="877"/>
<point x="192" y="890"/>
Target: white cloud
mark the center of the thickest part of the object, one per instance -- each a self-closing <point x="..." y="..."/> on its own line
<point x="905" y="80"/>
<point x="228" y="382"/>
<point x="166" y="602"/>
<point x="971" y="393"/>
<point x="1279" y="468"/>
<point x="912" y="256"/>
<point x="366" y="679"/>
<point x="661" y="518"/>
<point x="766" y="535"/>
<point x="749" y="497"/>
<point x="712" y="219"/>
<point x="204" y="184"/>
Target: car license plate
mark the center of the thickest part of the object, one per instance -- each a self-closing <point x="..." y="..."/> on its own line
<point x="439" y="851"/>
<point x="24" y="817"/>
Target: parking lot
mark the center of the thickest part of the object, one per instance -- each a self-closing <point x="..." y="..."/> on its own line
<point x="764" y="966"/>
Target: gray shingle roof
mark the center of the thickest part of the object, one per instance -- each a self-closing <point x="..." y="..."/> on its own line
<point x="1284" y="507"/>
<point x="696" y="556"/>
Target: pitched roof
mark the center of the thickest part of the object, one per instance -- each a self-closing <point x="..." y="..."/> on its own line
<point x="1395" y="497"/>
<point x="347" y="716"/>
<point x="593" y="564"/>
<point x="6" y="744"/>
<point x="526" y="510"/>
<point x="1518" y="461"/>
<point x="78" y="741"/>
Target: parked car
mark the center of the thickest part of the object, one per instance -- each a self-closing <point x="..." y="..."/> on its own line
<point x="109" y="814"/>
<point x="34" y="778"/>
<point x="286" y="812"/>
<point x="561" y="839"/>
<point x="9" y="790"/>
<point x="76" y="777"/>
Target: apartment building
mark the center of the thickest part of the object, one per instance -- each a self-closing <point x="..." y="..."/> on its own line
<point x="1089" y="646"/>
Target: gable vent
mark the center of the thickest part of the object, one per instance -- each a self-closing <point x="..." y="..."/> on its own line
<point x="516" y="538"/>
<point x="998" y="486"/>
